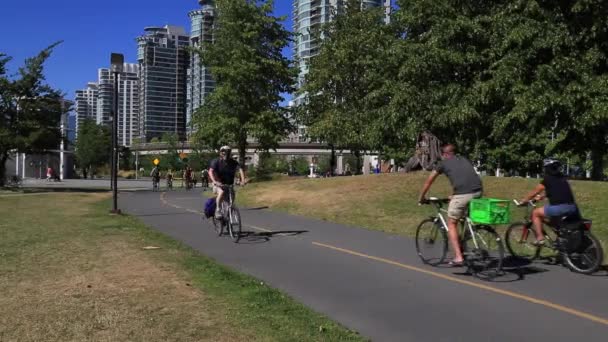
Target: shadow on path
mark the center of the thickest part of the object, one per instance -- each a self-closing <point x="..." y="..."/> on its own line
<point x="253" y="237"/>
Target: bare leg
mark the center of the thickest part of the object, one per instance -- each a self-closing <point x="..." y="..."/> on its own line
<point x="218" y="201"/>
<point x="538" y="216"/>
<point x="454" y="240"/>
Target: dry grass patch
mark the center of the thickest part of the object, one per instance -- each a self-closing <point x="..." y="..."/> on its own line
<point x="69" y="271"/>
<point x="63" y="279"/>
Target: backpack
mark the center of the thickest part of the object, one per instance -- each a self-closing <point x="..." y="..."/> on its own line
<point x="209" y="209"/>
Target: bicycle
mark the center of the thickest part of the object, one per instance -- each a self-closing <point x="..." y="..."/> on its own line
<point x="481" y="245"/>
<point x="570" y="241"/>
<point x="231" y="216"/>
<point x="169" y="183"/>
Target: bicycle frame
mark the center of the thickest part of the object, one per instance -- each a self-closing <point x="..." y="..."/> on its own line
<point x="530" y="206"/>
<point x="467" y="223"/>
<point x="228" y="199"/>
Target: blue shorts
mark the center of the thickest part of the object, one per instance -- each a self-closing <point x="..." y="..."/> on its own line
<point x="560" y="210"/>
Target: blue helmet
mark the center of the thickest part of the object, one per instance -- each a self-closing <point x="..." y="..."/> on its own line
<point x="551" y="162"/>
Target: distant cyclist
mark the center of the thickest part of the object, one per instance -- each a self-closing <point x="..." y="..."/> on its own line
<point x="169" y="178"/>
<point x="561" y="199"/>
<point x="466" y="186"/>
<point x="222" y="172"/>
<point x="205" y="178"/>
<point x="155" y="174"/>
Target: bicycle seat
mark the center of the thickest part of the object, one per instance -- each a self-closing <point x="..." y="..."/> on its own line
<point x="561" y="220"/>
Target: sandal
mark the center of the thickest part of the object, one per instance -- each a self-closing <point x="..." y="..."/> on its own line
<point x="456" y="263"/>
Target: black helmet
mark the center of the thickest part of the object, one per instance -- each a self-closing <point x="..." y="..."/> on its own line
<point x="551" y="162"/>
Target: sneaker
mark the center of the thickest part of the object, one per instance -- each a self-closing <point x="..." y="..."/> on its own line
<point x="218" y="214"/>
<point x="539" y="243"/>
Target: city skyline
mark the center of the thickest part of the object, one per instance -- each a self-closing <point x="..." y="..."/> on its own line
<point x="76" y="61"/>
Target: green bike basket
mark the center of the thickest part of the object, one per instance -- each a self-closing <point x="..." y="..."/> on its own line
<point x="490" y="211"/>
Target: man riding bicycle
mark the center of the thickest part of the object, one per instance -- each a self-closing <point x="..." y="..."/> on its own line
<point x="558" y="191"/>
<point x="155" y="174"/>
<point x="466" y="186"/>
<point x="222" y="172"/>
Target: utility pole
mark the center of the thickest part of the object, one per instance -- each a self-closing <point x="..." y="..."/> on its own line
<point x="117" y="60"/>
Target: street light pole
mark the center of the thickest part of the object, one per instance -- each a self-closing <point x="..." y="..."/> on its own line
<point x="117" y="60"/>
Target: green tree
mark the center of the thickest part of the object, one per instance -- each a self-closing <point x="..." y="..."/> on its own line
<point x="30" y="110"/>
<point x="172" y="157"/>
<point x="344" y="90"/>
<point x="93" y="146"/>
<point x="250" y="71"/>
<point x="508" y="81"/>
<point x="126" y="158"/>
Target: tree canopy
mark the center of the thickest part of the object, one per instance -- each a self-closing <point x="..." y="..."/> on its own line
<point x="509" y="82"/>
<point x="30" y="109"/>
<point x="247" y="63"/>
<point x="93" y="146"/>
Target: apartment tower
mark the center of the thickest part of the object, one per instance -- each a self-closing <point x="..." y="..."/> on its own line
<point x="200" y="82"/>
<point x="163" y="63"/>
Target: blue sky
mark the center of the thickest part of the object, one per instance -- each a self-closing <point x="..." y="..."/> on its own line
<point x="90" y="29"/>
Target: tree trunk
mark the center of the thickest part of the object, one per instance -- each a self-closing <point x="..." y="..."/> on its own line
<point x="3" y="159"/>
<point x="332" y="162"/>
<point x="242" y="146"/>
<point x="597" y="161"/>
<point x="358" y="166"/>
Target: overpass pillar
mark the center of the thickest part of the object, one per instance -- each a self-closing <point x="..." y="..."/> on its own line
<point x="340" y="165"/>
<point x="366" y="163"/>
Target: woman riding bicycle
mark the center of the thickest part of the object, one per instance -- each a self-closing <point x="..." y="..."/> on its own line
<point x="558" y="191"/>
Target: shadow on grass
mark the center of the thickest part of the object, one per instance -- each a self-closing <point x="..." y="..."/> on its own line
<point x="256" y="208"/>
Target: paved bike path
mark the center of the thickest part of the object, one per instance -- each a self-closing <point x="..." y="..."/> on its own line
<point x="374" y="283"/>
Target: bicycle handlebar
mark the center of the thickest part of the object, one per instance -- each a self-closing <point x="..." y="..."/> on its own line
<point x="531" y="203"/>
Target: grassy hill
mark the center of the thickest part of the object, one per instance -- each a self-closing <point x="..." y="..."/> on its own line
<point x="388" y="202"/>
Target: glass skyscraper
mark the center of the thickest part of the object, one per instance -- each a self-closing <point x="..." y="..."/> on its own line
<point x="163" y="62"/>
<point x="200" y="82"/>
<point x="85" y="104"/>
<point x="308" y="17"/>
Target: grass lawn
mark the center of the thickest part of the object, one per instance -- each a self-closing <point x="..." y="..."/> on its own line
<point x="69" y="271"/>
<point x="388" y="202"/>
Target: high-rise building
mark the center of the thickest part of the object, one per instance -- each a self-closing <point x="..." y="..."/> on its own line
<point x="106" y="94"/>
<point x="200" y="82"/>
<point x="86" y="104"/>
<point x="128" y="101"/>
<point x="308" y="17"/>
<point x="163" y="62"/>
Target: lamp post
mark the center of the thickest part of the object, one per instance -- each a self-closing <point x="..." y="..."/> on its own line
<point x="117" y="60"/>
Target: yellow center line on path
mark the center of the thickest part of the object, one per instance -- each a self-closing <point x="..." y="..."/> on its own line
<point x="473" y="284"/>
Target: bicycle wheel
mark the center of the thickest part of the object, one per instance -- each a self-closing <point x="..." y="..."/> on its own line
<point x="588" y="258"/>
<point x="234" y="224"/>
<point x="431" y="242"/>
<point x="483" y="260"/>
<point x="519" y="239"/>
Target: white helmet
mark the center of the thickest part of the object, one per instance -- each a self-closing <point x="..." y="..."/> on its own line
<point x="225" y="148"/>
